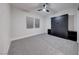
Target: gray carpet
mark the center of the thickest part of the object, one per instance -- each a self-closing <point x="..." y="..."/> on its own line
<point x="43" y="44"/>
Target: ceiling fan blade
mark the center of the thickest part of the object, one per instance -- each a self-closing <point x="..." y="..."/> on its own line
<point x="39" y="10"/>
<point x="44" y="5"/>
<point x="47" y="10"/>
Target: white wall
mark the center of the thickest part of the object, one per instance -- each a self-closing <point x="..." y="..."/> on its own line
<point x="78" y="26"/>
<point x="18" y="27"/>
<point x="71" y="12"/>
<point x="4" y="28"/>
<point x="71" y="23"/>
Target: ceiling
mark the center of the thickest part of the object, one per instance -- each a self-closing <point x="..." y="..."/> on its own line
<point x="55" y="7"/>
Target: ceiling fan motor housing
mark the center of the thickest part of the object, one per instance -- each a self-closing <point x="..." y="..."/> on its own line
<point x="44" y="8"/>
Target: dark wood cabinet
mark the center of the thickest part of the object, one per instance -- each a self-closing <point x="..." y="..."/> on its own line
<point x="72" y="35"/>
<point x="49" y="31"/>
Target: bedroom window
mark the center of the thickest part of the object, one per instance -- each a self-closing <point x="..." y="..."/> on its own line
<point x="32" y="23"/>
<point x="37" y="23"/>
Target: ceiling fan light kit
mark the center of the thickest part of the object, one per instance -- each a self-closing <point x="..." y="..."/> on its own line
<point x="45" y="9"/>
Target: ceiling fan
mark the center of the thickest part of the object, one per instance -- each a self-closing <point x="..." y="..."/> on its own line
<point x="45" y="8"/>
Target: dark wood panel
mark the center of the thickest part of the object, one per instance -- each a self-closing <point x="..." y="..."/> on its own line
<point x="59" y="26"/>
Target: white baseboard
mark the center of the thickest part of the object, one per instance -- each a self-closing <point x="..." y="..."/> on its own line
<point x="18" y="38"/>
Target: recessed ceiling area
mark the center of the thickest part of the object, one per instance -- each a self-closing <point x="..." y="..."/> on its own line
<point x="53" y="7"/>
<point x="25" y="6"/>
